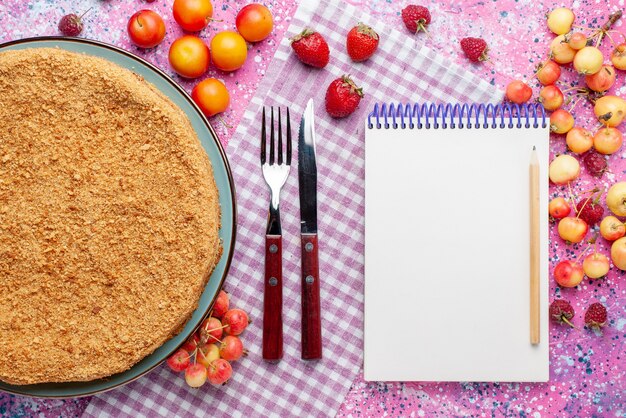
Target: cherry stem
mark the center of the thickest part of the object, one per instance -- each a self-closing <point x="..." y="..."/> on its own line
<point x="571" y="196"/>
<point x="578" y="211"/>
<point x="215" y="329"/>
<point x="604" y="29"/>
<point x="611" y="39"/>
<point x="618" y="32"/>
<point x="211" y="337"/>
<point x="577" y="88"/>
<point x="582" y="253"/>
<point x="599" y="40"/>
<point x="571" y="110"/>
<point x="540" y="67"/>
<point x="227" y="126"/>
<point x="613" y="17"/>
<point x="594" y="190"/>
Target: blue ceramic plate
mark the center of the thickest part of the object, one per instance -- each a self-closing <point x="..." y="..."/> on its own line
<point x="223" y="178"/>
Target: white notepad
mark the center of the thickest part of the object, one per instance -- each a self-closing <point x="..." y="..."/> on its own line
<point x="447" y="288"/>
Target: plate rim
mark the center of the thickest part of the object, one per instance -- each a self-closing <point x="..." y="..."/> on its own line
<point x="231" y="182"/>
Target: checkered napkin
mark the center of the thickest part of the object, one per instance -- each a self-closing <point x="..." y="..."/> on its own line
<point x="399" y="71"/>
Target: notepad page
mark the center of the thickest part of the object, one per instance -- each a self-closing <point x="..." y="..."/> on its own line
<point x="447" y="288"/>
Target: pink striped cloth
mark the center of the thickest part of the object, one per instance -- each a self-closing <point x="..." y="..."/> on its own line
<point x="399" y="71"/>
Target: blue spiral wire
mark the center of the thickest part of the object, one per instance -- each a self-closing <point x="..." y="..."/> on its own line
<point x="464" y="116"/>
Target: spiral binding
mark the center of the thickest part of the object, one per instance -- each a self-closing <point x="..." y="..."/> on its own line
<point x="427" y="115"/>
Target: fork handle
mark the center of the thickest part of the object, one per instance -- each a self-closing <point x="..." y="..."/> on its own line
<point x="273" y="299"/>
<point x="311" y="321"/>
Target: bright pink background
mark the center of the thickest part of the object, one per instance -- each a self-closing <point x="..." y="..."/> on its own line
<point x="588" y="374"/>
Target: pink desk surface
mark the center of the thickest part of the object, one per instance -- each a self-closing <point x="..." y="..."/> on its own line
<point x="588" y="371"/>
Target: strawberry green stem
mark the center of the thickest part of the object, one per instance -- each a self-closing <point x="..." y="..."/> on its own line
<point x="567" y="321"/>
<point x="85" y="12"/>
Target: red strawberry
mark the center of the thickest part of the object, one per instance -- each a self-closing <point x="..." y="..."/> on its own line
<point x="475" y="49"/>
<point x="71" y="25"/>
<point x="561" y="311"/>
<point x="362" y="42"/>
<point x="342" y="97"/>
<point x="311" y="48"/>
<point x="595" y="317"/>
<point x="595" y="163"/>
<point x="415" y="18"/>
<point x="589" y="210"/>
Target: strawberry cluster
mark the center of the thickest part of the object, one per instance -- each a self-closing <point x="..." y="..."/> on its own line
<point x="343" y="95"/>
<point x="561" y="311"/>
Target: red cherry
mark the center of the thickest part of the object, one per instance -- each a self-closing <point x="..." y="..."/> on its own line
<point x="235" y="321"/>
<point x="231" y="348"/>
<point x="221" y="304"/>
<point x="179" y="360"/>
<point x="219" y="372"/>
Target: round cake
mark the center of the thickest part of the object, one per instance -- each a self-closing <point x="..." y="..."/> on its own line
<point x="109" y="217"/>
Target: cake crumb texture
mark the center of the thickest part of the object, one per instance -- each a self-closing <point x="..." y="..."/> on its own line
<point x="109" y="217"/>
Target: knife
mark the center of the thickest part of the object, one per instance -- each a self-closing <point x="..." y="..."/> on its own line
<point x="307" y="178"/>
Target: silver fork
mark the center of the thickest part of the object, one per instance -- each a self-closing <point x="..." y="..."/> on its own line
<point x="275" y="172"/>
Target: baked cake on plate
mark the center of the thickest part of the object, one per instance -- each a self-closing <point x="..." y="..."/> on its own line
<point x="109" y="217"/>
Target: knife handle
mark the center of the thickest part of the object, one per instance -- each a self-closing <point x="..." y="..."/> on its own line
<point x="311" y="321"/>
<point x="273" y="299"/>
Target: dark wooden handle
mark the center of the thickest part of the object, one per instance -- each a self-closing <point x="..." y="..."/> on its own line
<point x="273" y="299"/>
<point x="311" y="321"/>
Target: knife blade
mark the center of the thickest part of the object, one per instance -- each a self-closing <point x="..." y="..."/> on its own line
<point x="307" y="179"/>
<point x="307" y="172"/>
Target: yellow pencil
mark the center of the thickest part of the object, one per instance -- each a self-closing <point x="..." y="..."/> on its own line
<point x="534" y="247"/>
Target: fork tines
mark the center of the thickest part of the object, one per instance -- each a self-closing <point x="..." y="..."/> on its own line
<point x="273" y="145"/>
